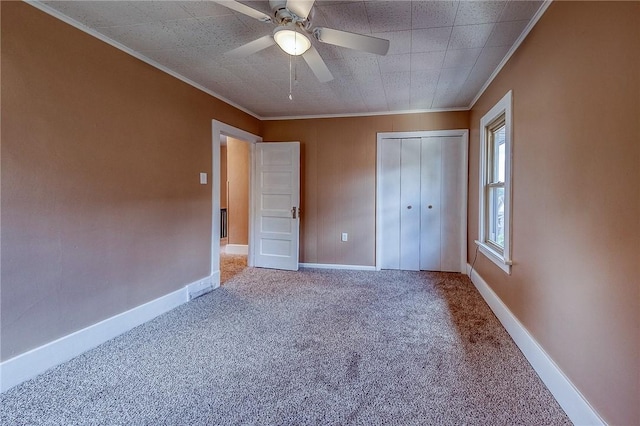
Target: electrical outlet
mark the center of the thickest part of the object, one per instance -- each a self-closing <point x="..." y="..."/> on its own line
<point x="344" y="237"/>
<point x="203" y="178"/>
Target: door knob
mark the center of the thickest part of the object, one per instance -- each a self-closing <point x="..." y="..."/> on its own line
<point x="430" y="206"/>
<point x="409" y="207"/>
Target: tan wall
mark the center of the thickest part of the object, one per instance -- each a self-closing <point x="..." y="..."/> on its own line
<point x="338" y="179"/>
<point x="102" y="209"/>
<point x="223" y="177"/>
<point x="238" y="176"/>
<point x="576" y="197"/>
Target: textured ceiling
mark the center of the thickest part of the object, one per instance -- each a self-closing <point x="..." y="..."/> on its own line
<point x="440" y="56"/>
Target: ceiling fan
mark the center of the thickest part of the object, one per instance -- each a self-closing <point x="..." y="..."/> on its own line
<point x="293" y="20"/>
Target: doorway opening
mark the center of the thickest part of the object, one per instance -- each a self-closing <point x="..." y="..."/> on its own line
<point x="244" y="142"/>
<point x="235" y="165"/>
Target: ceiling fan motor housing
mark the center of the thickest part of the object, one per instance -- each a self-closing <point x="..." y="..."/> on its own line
<point x="283" y="16"/>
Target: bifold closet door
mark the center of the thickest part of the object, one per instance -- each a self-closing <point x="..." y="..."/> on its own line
<point x="410" y="204"/>
<point x="421" y="193"/>
<point x="452" y="210"/>
<point x="442" y="187"/>
<point x="431" y="197"/>
<point x="390" y="204"/>
<point x="400" y="198"/>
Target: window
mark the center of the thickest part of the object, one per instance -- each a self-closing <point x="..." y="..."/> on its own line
<point x="495" y="184"/>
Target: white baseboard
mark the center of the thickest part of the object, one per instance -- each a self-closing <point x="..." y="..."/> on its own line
<point x="36" y="361"/>
<point x="236" y="249"/>
<point x="568" y="396"/>
<point x="198" y="288"/>
<point x="336" y="266"/>
<point x="215" y="279"/>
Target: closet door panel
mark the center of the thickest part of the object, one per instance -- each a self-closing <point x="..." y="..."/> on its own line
<point x="410" y="205"/>
<point x="390" y="202"/>
<point x="451" y="211"/>
<point x="431" y="195"/>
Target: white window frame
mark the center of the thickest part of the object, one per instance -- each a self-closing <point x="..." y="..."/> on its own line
<point x="501" y="258"/>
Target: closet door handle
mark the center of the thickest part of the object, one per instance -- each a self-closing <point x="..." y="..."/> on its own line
<point x="430" y="206"/>
<point x="409" y="207"/>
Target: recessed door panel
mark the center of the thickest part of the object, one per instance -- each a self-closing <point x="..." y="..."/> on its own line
<point x="281" y="202"/>
<point x="276" y="180"/>
<point x="276" y="225"/>
<point x="275" y="248"/>
<point x="277" y="155"/>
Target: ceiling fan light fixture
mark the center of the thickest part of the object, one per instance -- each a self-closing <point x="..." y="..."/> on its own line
<point x="292" y="42"/>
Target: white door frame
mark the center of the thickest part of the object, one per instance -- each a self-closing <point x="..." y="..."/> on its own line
<point x="219" y="129"/>
<point x="464" y="176"/>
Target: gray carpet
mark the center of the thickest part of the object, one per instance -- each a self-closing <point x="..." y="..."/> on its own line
<point x="309" y="347"/>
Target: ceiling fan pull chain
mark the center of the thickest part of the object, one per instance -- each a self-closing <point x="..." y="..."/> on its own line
<point x="295" y="61"/>
<point x="290" y="80"/>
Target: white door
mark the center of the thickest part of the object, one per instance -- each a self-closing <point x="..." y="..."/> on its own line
<point x="277" y="201"/>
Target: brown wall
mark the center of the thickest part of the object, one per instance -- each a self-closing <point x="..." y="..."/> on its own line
<point x="223" y="177"/>
<point x="576" y="197"/>
<point x="238" y="176"/>
<point x="102" y="209"/>
<point x="338" y="179"/>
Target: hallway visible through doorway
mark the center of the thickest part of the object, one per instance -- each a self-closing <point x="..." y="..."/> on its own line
<point x="230" y="264"/>
<point x="234" y="206"/>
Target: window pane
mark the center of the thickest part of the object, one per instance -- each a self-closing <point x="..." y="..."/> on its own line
<point x="496" y="216"/>
<point x="498" y="148"/>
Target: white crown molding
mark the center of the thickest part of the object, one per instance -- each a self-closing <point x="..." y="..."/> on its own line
<point x="563" y="390"/>
<point x="511" y="51"/>
<point x="363" y="114"/>
<point x="50" y="11"/>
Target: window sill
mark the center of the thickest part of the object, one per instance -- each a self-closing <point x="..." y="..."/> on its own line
<point x="495" y="257"/>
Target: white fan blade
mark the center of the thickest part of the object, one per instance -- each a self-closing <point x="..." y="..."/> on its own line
<point x="366" y="43"/>
<point x="317" y="65"/>
<point x="251" y="47"/>
<point x="244" y="9"/>
<point x="300" y="7"/>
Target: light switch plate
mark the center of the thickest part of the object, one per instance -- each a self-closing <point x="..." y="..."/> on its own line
<point x="345" y="237"/>
<point x="203" y="178"/>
